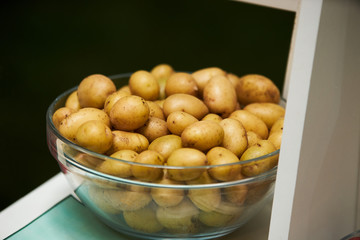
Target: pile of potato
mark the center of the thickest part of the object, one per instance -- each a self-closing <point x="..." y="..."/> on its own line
<point x="163" y="117"/>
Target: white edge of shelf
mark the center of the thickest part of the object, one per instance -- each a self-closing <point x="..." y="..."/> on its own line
<point x="288" y="5"/>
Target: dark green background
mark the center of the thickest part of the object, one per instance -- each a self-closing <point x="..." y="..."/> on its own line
<point x="49" y="47"/>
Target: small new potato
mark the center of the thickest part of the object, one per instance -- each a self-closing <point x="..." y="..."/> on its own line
<point x="167" y="197"/>
<point x="236" y="194"/>
<point x="251" y="122"/>
<point x="177" y="121"/>
<point x="128" y="140"/>
<point x="129" y="113"/>
<point x="162" y="72"/>
<point x="235" y="137"/>
<point x="61" y="114"/>
<point x="118" y="168"/>
<point x="88" y="160"/>
<point x="181" y="82"/>
<point x="112" y="99"/>
<point x="165" y="145"/>
<point x="252" y="138"/>
<point x="275" y="138"/>
<point x="202" y="76"/>
<point x="95" y="136"/>
<point x="186" y="103"/>
<point x="147" y="173"/>
<point x="155" y="110"/>
<point x="154" y="128"/>
<point x="233" y="78"/>
<point x="206" y="199"/>
<point x="72" y="101"/>
<point x="212" y="117"/>
<point x="144" y="84"/>
<point x="94" y="89"/>
<point x="268" y="112"/>
<point x="203" y="135"/>
<point x="278" y="125"/>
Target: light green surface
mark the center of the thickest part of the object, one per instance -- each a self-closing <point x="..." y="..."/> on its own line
<point x="69" y="219"/>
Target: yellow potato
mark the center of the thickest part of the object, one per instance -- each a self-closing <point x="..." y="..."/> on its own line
<point x="96" y="195"/>
<point x="278" y="125"/>
<point x="220" y="96"/>
<point x="257" y="167"/>
<point x="204" y="178"/>
<point x="94" y="89"/>
<point x="72" y="101"/>
<point x="128" y="140"/>
<point x="236" y="194"/>
<point x="256" y="88"/>
<point x="112" y="99"/>
<point x="252" y="138"/>
<point x="69" y="126"/>
<point x="88" y="160"/>
<point x="202" y="76"/>
<point x="181" y="82"/>
<point x="235" y="137"/>
<point x="125" y="89"/>
<point x="212" y="117"/>
<point x="222" y="216"/>
<point x="206" y="199"/>
<point x="147" y="173"/>
<point x="202" y="135"/>
<point x="186" y="157"/>
<point x="275" y="138"/>
<point x="60" y="114"/>
<point x="144" y="84"/>
<point x="167" y="197"/>
<point x="118" y="168"/>
<point x="155" y="110"/>
<point x="268" y="112"/>
<point x="186" y="103"/>
<point x="154" y="128"/>
<point x="177" y="121"/>
<point x="218" y="156"/>
<point x="251" y="122"/>
<point x="162" y="72"/>
<point x="165" y="145"/>
<point x="95" y="136"/>
<point x="233" y="78"/>
<point x="129" y="113"/>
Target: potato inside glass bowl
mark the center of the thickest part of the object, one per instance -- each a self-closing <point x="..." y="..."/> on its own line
<point x="168" y="188"/>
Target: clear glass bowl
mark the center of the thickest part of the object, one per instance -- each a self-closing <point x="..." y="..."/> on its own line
<point x="154" y="210"/>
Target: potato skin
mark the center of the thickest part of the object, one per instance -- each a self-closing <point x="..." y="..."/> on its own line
<point x="72" y="101"/>
<point x="235" y="137"/>
<point x="128" y="140"/>
<point x="162" y="72"/>
<point x="94" y="89"/>
<point x="256" y="88"/>
<point x="186" y="103"/>
<point x="112" y="99"/>
<point x="129" y="113"/>
<point x="143" y="84"/>
<point x="118" y="168"/>
<point x="165" y="145"/>
<point x="221" y="155"/>
<point x="177" y="121"/>
<point x="202" y="135"/>
<point x="278" y="125"/>
<point x="268" y="112"/>
<point x="61" y="114"/>
<point x="146" y="173"/>
<point x="155" y="110"/>
<point x="212" y="117"/>
<point x="202" y="76"/>
<point x="275" y="138"/>
<point x="181" y="82"/>
<point x="251" y="122"/>
<point x="153" y="128"/>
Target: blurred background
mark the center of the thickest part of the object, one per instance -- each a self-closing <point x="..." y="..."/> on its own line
<point x="49" y="47"/>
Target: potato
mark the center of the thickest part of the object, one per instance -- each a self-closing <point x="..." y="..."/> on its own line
<point x="233" y="78"/>
<point x="160" y="102"/>
<point x="125" y="89"/>
<point x="251" y="122"/>
<point x="177" y="121"/>
<point x="202" y="76"/>
<point x="235" y="137"/>
<point x="88" y="160"/>
<point x="186" y="103"/>
<point x="144" y="84"/>
<point x="167" y="197"/>
<point x="112" y="99"/>
<point x="162" y="72"/>
<point x="252" y="138"/>
<point x="69" y="126"/>
<point x="202" y="135"/>
<point x="96" y="195"/>
<point x="155" y="110"/>
<point x="129" y="113"/>
<point x="181" y="82"/>
<point x="219" y="156"/>
<point x="206" y="199"/>
<point x="143" y="219"/>
<point x="72" y="101"/>
<point x="236" y="194"/>
<point x="257" y="167"/>
<point x="275" y="138"/>
<point x="256" y="88"/>
<point x="154" y="128"/>
<point x="204" y="178"/>
<point x="118" y="168"/>
<point x="146" y="173"/>
<point x="60" y="114"/>
<point x="165" y="145"/>
<point x="212" y="117"/>
<point x="219" y="96"/>
<point x="94" y="89"/>
<point x="128" y="140"/>
<point x="186" y="157"/>
<point x="268" y="112"/>
<point x="95" y="136"/>
<point x="222" y="216"/>
<point x="278" y="125"/>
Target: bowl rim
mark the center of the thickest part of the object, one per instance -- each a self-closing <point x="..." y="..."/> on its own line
<point x="51" y="126"/>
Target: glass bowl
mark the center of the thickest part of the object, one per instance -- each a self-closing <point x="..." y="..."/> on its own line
<point x="199" y="209"/>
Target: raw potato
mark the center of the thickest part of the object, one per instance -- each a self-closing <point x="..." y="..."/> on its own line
<point x="252" y="138"/>
<point x="94" y="89"/>
<point x="204" y="178"/>
<point x="129" y="113"/>
<point x="257" y="167"/>
<point x="202" y="76"/>
<point x="218" y="156"/>
<point x="144" y="84"/>
<point x="112" y="99"/>
<point x="154" y="128"/>
<point x="235" y="137"/>
<point x="275" y="138"/>
<point x="212" y="117"/>
<point x="186" y="103"/>
<point x="69" y="126"/>
<point x="251" y="122"/>
<point x="162" y="72"/>
<point x="128" y="140"/>
<point x="202" y="135"/>
<point x="206" y="199"/>
<point x="256" y="88"/>
<point x="182" y="218"/>
<point x="219" y="96"/>
<point x="125" y="88"/>
<point x="236" y="194"/>
<point x="143" y="219"/>
<point x="167" y="197"/>
<point x="233" y="78"/>
<point x="165" y="145"/>
<point x="88" y="160"/>
<point x="181" y="82"/>
<point x="118" y="168"/>
<point x="72" y="101"/>
<point x="146" y="173"/>
<point x="177" y="121"/>
<point x="278" y="125"/>
<point x="95" y="136"/>
<point x="155" y="110"/>
<point x="96" y="195"/>
<point x="60" y="114"/>
<point x="268" y="112"/>
<point x="186" y="157"/>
